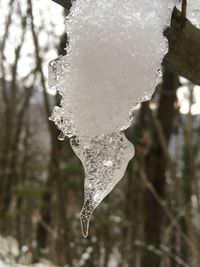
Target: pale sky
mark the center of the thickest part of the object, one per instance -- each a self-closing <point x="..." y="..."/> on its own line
<point x="183" y="94"/>
<point x="49" y="17"/>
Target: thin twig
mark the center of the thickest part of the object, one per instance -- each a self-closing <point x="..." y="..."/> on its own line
<point x="163" y="205"/>
<point x="184" y="8"/>
<point x="162" y="250"/>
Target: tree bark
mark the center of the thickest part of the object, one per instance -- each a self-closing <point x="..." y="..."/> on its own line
<point x="183" y="57"/>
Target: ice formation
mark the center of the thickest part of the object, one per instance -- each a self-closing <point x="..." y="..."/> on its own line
<point x="114" y="53"/>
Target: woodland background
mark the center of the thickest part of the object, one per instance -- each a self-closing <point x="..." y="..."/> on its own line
<point x="152" y="217"/>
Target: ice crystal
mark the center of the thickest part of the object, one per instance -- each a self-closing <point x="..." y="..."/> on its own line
<point x="113" y="57"/>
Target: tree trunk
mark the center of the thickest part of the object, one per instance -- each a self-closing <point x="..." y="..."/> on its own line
<point x="156" y="167"/>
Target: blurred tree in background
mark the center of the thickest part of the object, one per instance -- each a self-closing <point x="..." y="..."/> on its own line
<point x="152" y="217"/>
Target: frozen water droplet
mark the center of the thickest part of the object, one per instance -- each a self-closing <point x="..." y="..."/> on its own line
<point x="61" y="136"/>
<point x="85" y="218"/>
<point x="159" y="72"/>
<point x="85" y="225"/>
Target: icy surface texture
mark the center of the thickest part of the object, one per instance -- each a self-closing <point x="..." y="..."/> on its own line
<point x="113" y="57"/>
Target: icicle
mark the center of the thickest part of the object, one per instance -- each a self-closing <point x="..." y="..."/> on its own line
<point x="115" y="49"/>
<point x="104" y="157"/>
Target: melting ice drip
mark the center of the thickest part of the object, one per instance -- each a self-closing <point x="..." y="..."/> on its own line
<point x="115" y="49"/>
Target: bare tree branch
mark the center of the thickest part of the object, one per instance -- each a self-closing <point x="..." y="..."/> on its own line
<point x="163" y="205"/>
<point x="2" y="50"/>
<point x="39" y="61"/>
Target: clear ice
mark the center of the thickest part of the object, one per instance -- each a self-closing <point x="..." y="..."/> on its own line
<point x="113" y="58"/>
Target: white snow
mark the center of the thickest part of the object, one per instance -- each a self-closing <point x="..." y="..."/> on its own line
<point x="112" y="64"/>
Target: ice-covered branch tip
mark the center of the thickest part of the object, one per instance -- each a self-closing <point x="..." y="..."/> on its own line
<point x="115" y="51"/>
